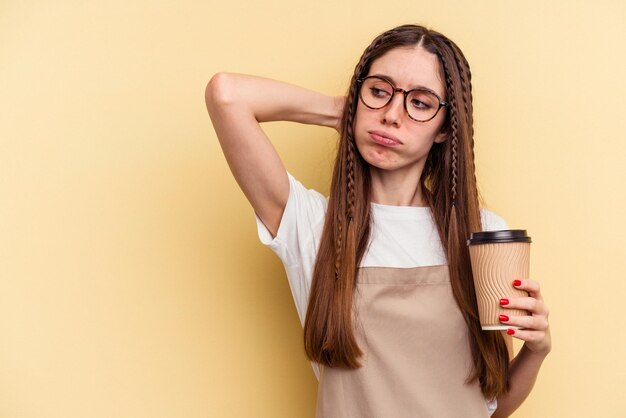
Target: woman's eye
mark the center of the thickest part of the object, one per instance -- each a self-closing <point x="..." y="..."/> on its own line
<point x="418" y="104"/>
<point x="378" y="92"/>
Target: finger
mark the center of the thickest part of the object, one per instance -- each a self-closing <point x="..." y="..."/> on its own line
<point x="531" y="286"/>
<point x="527" y="322"/>
<point x="533" y="305"/>
<point x="527" y="335"/>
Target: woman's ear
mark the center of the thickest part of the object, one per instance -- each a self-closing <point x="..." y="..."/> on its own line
<point x="442" y="136"/>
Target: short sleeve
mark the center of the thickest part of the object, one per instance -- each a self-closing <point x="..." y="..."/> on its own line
<point x="304" y="212"/>
<point x="491" y="221"/>
<point x="297" y="239"/>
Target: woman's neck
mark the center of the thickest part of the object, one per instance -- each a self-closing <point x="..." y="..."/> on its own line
<point x="396" y="188"/>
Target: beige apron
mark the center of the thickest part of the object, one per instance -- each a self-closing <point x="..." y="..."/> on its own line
<point x="416" y="351"/>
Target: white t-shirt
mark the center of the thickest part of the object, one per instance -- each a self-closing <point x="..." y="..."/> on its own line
<point x="401" y="236"/>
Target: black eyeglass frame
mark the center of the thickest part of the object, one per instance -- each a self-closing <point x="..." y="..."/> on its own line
<point x="406" y="94"/>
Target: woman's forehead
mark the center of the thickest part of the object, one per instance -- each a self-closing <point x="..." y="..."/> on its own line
<point x="409" y="68"/>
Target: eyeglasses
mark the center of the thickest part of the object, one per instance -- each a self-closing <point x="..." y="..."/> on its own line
<point x="423" y="104"/>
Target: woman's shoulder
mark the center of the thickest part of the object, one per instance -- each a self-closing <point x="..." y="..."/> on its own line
<point x="491" y="221"/>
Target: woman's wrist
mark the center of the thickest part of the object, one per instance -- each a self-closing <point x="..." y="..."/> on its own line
<point x="332" y="112"/>
<point x="319" y="109"/>
<point x="539" y="354"/>
<point x="339" y="103"/>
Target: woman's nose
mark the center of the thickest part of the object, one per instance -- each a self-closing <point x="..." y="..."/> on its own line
<point x="394" y="111"/>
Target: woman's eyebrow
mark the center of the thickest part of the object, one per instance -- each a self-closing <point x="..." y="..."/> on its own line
<point x="390" y="79"/>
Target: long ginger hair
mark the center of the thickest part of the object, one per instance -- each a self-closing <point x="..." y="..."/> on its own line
<point x="449" y="184"/>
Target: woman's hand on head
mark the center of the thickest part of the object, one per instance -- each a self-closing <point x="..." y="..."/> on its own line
<point x="535" y="330"/>
<point x="237" y="104"/>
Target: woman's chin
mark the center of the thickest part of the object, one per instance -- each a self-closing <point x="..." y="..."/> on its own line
<point x="381" y="158"/>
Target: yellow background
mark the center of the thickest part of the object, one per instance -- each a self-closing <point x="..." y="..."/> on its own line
<point x="132" y="283"/>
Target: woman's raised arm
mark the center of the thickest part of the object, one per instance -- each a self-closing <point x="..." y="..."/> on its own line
<point x="237" y="104"/>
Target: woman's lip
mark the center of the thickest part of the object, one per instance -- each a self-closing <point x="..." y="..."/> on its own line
<point x="384" y="138"/>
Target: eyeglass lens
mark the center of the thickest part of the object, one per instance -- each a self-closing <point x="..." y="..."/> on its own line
<point x="421" y="105"/>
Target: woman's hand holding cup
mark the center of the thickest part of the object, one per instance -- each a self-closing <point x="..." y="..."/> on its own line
<point x="535" y="329"/>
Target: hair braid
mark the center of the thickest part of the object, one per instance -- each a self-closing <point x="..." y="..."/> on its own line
<point x="338" y="250"/>
<point x="465" y="77"/>
<point x="348" y="126"/>
<point x="348" y="174"/>
<point x="454" y="127"/>
<point x="489" y="351"/>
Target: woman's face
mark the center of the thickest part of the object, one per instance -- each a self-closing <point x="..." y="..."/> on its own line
<point x="387" y="138"/>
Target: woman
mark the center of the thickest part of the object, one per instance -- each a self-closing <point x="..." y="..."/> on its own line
<point x="380" y="272"/>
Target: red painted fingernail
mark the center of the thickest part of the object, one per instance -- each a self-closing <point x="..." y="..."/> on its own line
<point x="504" y="318"/>
<point x="517" y="282"/>
<point x="510" y="331"/>
<point x="504" y="301"/>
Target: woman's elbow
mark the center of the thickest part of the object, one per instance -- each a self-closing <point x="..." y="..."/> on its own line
<point x="220" y="90"/>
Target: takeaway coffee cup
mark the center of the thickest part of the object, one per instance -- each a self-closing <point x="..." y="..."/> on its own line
<point x="498" y="258"/>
